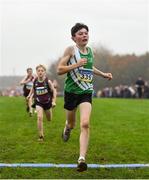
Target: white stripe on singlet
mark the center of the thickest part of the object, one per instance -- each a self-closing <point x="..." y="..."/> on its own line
<point x="74" y="72"/>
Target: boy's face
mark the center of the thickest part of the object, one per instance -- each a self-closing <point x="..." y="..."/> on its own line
<point x="81" y="37"/>
<point x="40" y="72"/>
<point x="30" y="72"/>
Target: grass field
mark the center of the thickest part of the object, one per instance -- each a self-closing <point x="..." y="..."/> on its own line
<point x="119" y="134"/>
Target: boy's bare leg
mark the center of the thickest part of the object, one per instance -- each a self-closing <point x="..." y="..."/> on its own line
<point x="71" y="118"/>
<point x="30" y="106"/>
<point x="69" y="124"/>
<point x="85" y="112"/>
<point x="40" y="120"/>
<point x="48" y="114"/>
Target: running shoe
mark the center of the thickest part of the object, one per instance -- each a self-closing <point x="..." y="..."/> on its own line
<point x="82" y="166"/>
<point x="66" y="134"/>
<point x="41" y="138"/>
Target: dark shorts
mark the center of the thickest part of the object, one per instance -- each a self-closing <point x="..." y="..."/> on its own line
<point x="45" y="106"/>
<point x="73" y="100"/>
<point x="25" y="94"/>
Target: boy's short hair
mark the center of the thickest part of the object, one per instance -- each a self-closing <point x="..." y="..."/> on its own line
<point x="28" y="69"/>
<point x="77" y="27"/>
<point x="42" y="66"/>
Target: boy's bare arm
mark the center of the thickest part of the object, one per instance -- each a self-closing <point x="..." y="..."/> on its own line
<point x="63" y="67"/>
<point x="102" y="74"/>
<point x="30" y="93"/>
<point x="54" y="93"/>
<point x="25" y="80"/>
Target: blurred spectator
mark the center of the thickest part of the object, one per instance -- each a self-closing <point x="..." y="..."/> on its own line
<point x="121" y="91"/>
<point x="146" y="90"/>
<point x="132" y="91"/>
<point x="140" y="87"/>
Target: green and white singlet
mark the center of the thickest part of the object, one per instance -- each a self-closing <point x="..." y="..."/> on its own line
<point x="80" y="80"/>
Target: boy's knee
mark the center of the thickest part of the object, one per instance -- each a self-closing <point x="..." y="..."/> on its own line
<point x="85" y="125"/>
<point x="39" y="118"/>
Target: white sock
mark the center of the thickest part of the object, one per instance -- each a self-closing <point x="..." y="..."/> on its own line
<point x="81" y="158"/>
<point x="66" y="124"/>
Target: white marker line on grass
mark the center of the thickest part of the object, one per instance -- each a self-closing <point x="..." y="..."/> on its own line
<point x="50" y="165"/>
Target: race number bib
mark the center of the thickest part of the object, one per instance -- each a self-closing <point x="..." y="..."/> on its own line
<point x="41" y="91"/>
<point x="29" y="85"/>
<point x="85" y="75"/>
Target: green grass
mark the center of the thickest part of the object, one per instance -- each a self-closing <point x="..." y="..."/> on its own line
<point x="119" y="134"/>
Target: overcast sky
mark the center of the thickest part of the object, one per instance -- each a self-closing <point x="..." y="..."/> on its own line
<point x="36" y="32"/>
